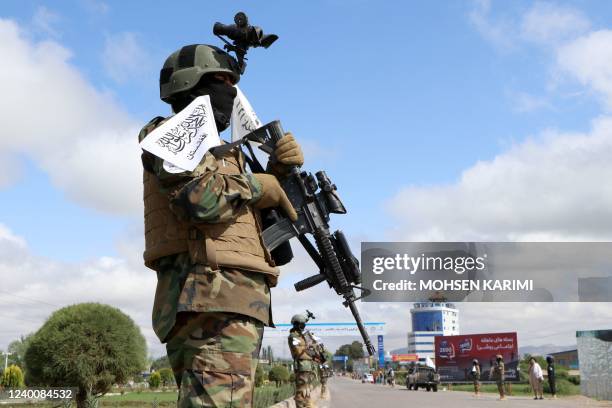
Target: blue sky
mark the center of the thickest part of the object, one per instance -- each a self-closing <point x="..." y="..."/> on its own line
<point x="436" y="120"/>
<point x="389" y="95"/>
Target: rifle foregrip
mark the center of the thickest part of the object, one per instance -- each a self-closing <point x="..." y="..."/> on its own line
<point x="309" y="282"/>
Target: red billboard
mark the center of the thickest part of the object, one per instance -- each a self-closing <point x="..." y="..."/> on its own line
<point x="454" y="355"/>
<point x="404" y="357"/>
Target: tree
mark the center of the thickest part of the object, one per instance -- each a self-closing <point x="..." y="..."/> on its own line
<point x="356" y="350"/>
<point x="270" y="354"/>
<point x="155" y="379"/>
<point x="160" y="362"/>
<point x="260" y="376"/>
<point x="12" y="377"/>
<point x="89" y="346"/>
<point x="17" y="350"/>
<point x="352" y="351"/>
<point x="344" y="350"/>
<point x="167" y="377"/>
<point x="278" y="374"/>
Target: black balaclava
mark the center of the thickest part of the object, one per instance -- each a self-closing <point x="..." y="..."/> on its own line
<point x="221" y="98"/>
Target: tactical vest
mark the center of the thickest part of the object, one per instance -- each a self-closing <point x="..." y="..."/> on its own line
<point x="235" y="244"/>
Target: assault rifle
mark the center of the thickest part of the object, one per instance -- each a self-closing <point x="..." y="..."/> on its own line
<point x="317" y="348"/>
<point x="314" y="199"/>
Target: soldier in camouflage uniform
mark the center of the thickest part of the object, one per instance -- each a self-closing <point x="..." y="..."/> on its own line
<point x="306" y="356"/>
<point x="203" y="239"/>
<point x="499" y="375"/>
<point x="324" y="374"/>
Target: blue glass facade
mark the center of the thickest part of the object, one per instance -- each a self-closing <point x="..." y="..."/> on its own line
<point x="427" y="321"/>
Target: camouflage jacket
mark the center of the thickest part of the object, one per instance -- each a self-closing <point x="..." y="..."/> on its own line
<point x="302" y="351"/>
<point x="209" y="197"/>
<point x="499" y="371"/>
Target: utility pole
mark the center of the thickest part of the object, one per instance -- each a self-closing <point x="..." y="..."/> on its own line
<point x="6" y="356"/>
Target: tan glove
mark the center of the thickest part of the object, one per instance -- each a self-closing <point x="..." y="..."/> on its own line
<point x="288" y="153"/>
<point x="273" y="195"/>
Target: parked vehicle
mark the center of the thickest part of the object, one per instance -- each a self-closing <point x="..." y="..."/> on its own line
<point x="423" y="376"/>
<point x="367" y="378"/>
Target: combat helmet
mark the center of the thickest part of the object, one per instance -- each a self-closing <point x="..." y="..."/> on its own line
<point x="184" y="68"/>
<point x="298" y="319"/>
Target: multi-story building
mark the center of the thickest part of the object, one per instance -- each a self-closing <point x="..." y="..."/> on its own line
<point x="429" y="319"/>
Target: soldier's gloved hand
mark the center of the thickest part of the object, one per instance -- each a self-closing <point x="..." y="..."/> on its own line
<point x="273" y="195"/>
<point x="288" y="153"/>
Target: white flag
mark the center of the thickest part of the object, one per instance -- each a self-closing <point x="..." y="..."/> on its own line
<point x="183" y="139"/>
<point x="244" y="118"/>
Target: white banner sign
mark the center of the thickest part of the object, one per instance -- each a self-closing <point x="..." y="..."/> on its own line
<point x="183" y="139"/>
<point x="328" y="329"/>
<point x="244" y="118"/>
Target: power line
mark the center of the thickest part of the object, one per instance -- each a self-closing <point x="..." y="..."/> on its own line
<point x="28" y="298"/>
<point x="19" y="318"/>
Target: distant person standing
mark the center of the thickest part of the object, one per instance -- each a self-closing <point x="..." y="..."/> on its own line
<point x="550" y="360"/>
<point x="475" y="373"/>
<point x="499" y="375"/>
<point x="536" y="378"/>
<point x="391" y="377"/>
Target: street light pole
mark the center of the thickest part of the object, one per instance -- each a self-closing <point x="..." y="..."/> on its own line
<point x="6" y="356"/>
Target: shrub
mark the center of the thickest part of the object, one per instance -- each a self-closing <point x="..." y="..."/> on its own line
<point x="279" y="374"/>
<point x="12" y="377"/>
<point x="260" y="376"/>
<point x="89" y="346"/>
<point x="155" y="379"/>
<point x="564" y="387"/>
<point x="167" y="377"/>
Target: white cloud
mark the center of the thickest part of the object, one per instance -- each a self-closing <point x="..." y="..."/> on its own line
<point x="38" y="286"/>
<point x="96" y="6"/>
<point x="33" y="287"/>
<point x="10" y="170"/>
<point x="123" y="57"/>
<point x="548" y="187"/>
<point x="499" y="32"/>
<point x="77" y="134"/>
<point x="45" y="21"/>
<point x="525" y="102"/>
<point x="548" y="23"/>
<point x="588" y="59"/>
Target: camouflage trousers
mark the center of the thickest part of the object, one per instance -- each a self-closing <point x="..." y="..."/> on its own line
<point x="303" y="380"/>
<point x="500" y="388"/>
<point x="214" y="357"/>
<point x="323" y="385"/>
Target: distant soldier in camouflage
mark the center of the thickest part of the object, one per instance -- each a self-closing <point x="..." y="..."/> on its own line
<point x="324" y="374"/>
<point x="203" y="239"/>
<point x="499" y="375"/>
<point x="307" y="354"/>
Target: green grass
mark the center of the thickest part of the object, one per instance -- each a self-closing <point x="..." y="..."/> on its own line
<point x="145" y="396"/>
<point x="268" y="395"/>
<point x="517" y="389"/>
<point x="265" y="396"/>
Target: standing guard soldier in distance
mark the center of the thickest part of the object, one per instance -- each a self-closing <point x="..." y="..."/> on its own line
<point x="475" y="374"/>
<point x="499" y="375"/>
<point x="203" y="239"/>
<point x="305" y="356"/>
<point x="324" y="374"/>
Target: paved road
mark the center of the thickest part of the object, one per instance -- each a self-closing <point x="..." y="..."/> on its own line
<point x="346" y="393"/>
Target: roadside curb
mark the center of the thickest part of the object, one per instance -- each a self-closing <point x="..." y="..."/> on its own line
<point x="290" y="402"/>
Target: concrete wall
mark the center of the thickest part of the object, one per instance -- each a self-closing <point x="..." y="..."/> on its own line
<point x="595" y="355"/>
